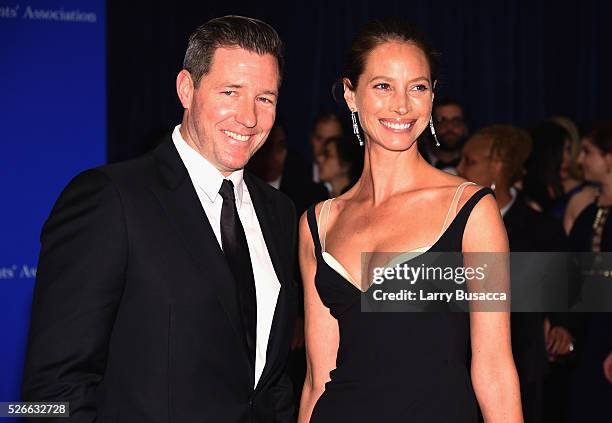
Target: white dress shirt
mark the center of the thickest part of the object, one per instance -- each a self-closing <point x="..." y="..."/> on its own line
<point x="207" y="181"/>
<point x="513" y="194"/>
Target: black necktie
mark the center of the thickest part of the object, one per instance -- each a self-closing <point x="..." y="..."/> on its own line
<point x="236" y="252"/>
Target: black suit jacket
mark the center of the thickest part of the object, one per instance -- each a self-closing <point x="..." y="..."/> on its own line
<point x="135" y="317"/>
<point x="531" y="231"/>
<point x="297" y="184"/>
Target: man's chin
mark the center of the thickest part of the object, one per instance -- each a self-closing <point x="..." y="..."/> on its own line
<point x="450" y="145"/>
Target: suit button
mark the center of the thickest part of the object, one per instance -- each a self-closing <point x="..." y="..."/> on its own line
<point x="251" y="403"/>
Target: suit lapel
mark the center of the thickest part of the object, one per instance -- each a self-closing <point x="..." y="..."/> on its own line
<point x="268" y="218"/>
<point x="179" y="199"/>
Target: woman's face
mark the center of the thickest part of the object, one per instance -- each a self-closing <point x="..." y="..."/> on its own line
<point x="566" y="162"/>
<point x="593" y="161"/>
<point x="394" y="95"/>
<point x="329" y="163"/>
<point x="475" y="164"/>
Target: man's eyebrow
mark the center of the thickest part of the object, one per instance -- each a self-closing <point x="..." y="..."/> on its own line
<point x="238" y="86"/>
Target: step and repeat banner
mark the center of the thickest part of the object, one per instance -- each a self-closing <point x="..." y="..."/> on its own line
<point x="53" y="121"/>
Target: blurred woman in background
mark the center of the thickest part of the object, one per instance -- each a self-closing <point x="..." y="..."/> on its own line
<point x="592" y="232"/>
<point x="551" y="180"/>
<point x="340" y="165"/>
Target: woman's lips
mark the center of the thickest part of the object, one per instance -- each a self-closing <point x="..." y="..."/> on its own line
<point x="395" y="125"/>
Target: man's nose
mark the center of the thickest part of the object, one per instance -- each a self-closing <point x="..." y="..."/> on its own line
<point x="246" y="114"/>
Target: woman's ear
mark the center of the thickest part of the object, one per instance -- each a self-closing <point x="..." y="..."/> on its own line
<point x="608" y="159"/>
<point x="349" y="94"/>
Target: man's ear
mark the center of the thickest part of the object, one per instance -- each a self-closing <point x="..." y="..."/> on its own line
<point x="185" y="88"/>
<point x="349" y="94"/>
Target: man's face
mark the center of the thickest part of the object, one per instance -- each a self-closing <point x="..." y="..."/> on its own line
<point x="230" y="114"/>
<point x="450" y="126"/>
<point x="323" y="131"/>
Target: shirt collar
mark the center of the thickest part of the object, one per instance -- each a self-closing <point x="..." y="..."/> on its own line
<point x="203" y="173"/>
<point x="513" y="194"/>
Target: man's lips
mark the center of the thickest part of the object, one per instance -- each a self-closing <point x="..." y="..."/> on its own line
<point x="236" y="136"/>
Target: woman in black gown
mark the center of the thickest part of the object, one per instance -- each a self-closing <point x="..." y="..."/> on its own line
<point x="399" y="367"/>
<point x="591" y="389"/>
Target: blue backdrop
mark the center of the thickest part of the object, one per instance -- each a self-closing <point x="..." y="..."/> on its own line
<point x="53" y="120"/>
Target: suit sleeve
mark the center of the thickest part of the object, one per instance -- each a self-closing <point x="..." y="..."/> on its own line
<point x="79" y="284"/>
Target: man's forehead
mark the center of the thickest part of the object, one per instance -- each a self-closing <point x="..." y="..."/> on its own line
<point x="328" y="126"/>
<point x="231" y="62"/>
<point x="449" y="110"/>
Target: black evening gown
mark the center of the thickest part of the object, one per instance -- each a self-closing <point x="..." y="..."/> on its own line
<point x="396" y="367"/>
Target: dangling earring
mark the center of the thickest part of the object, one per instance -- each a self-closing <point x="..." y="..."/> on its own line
<point x="433" y="130"/>
<point x="356" y="128"/>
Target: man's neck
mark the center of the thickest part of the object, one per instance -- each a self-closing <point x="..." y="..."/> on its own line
<point x="444" y="156"/>
<point x="503" y="197"/>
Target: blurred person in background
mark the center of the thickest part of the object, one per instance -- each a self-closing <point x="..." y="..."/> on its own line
<point x="340" y="164"/>
<point x="451" y="131"/>
<point x="592" y="232"/>
<point x="281" y="167"/>
<point x="551" y="179"/>
<point x="586" y="195"/>
<point x="575" y="171"/>
<point x="326" y="125"/>
<point x="494" y="156"/>
<point x="596" y="161"/>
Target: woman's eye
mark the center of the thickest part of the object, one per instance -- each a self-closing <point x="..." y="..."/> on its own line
<point x="383" y="86"/>
<point x="420" y="87"/>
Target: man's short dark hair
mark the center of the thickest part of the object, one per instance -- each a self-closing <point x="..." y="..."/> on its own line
<point x="230" y="31"/>
<point x="448" y="101"/>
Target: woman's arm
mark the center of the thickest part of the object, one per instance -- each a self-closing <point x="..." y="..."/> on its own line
<point x="493" y="372"/>
<point x="320" y="328"/>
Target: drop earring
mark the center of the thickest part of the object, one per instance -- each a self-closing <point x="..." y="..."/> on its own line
<point x="433" y="130"/>
<point x="356" y="128"/>
<point x="493" y="186"/>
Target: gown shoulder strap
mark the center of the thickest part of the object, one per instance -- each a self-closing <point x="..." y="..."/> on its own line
<point x="313" y="225"/>
<point x="463" y="214"/>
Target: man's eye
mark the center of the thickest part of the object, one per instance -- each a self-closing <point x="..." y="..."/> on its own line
<point x="266" y="100"/>
<point x="383" y="86"/>
<point x="420" y="87"/>
<point x="229" y="92"/>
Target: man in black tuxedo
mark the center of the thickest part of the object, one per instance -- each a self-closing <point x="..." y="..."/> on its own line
<point x="164" y="289"/>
